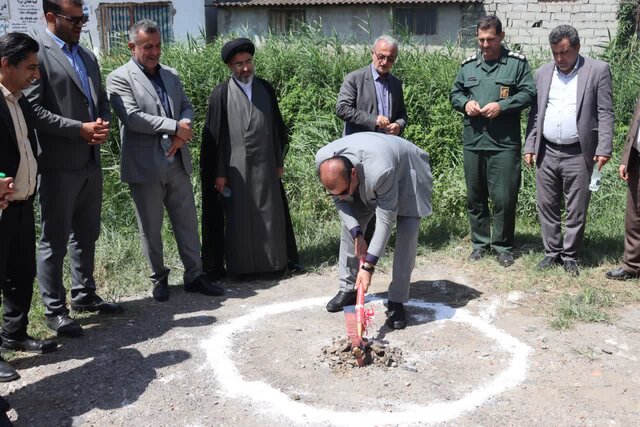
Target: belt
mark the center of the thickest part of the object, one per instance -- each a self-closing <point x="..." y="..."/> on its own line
<point x="560" y="146"/>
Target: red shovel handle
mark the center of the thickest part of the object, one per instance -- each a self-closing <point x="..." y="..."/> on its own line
<point x="360" y="307"/>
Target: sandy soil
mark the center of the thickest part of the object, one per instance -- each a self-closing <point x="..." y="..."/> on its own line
<point x="471" y="357"/>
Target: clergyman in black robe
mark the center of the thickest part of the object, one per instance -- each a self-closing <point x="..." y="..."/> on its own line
<point x="242" y="161"/>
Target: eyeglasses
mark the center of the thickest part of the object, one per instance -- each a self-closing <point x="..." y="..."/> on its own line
<point x="74" y="20"/>
<point x="381" y="57"/>
<point x="344" y="193"/>
<point x="240" y="65"/>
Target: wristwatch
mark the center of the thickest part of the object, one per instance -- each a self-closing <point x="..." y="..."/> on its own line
<point x="369" y="268"/>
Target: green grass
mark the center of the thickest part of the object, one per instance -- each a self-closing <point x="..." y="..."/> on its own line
<point x="587" y="306"/>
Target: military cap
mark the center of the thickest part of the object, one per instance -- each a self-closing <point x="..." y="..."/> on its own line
<point x="234" y="46"/>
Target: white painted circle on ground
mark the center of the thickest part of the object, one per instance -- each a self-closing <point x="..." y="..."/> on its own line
<point x="219" y="350"/>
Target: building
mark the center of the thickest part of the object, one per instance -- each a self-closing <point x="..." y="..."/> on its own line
<point x="529" y="22"/>
<point x="109" y="20"/>
<point x="433" y="22"/>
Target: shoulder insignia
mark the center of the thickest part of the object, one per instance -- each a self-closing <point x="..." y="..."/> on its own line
<point x="470" y="58"/>
<point x="520" y="56"/>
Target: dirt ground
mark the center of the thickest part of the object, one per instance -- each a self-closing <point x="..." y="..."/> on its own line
<point x="471" y="356"/>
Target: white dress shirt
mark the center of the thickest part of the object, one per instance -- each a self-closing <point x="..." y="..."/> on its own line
<point x="560" y="124"/>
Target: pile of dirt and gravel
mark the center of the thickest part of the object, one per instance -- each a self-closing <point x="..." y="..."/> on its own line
<point x="339" y="357"/>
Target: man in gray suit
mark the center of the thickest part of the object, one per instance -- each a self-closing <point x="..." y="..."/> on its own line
<point x="369" y="173"/>
<point x="371" y="98"/>
<point x="155" y="126"/>
<point x="70" y="99"/>
<point x="570" y="133"/>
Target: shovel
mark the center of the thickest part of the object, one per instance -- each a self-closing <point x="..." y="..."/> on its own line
<point x="356" y="320"/>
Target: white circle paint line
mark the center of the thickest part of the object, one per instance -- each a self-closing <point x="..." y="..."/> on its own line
<point x="219" y="350"/>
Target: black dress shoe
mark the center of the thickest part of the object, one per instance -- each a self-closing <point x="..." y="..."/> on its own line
<point x="477" y="254"/>
<point x="95" y="303"/>
<point x="64" y="326"/>
<point x="161" y="291"/>
<point x="341" y="300"/>
<point x="621" y="274"/>
<point x="506" y="259"/>
<point x="396" y="317"/>
<point x="548" y="262"/>
<point x="571" y="267"/>
<point x="29" y="345"/>
<point x="204" y="286"/>
<point x="7" y="373"/>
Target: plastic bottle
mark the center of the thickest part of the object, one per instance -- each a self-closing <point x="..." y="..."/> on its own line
<point x="2" y="175"/>
<point x="596" y="177"/>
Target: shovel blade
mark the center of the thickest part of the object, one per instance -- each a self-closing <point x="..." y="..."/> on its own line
<point x="357" y="343"/>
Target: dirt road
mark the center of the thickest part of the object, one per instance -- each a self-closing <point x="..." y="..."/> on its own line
<point x="471" y="357"/>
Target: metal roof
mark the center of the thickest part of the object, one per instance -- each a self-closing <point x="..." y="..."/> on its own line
<point x="299" y="3"/>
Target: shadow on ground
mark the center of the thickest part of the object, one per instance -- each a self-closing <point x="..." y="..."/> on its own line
<point x="451" y="294"/>
<point x="110" y="373"/>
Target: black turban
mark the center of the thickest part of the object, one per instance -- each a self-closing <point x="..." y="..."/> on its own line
<point x="236" y="46"/>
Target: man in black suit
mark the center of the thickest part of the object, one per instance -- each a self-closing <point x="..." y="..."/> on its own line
<point x="70" y="99"/>
<point x="18" y="152"/>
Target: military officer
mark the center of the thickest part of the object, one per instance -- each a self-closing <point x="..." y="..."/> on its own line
<point x="491" y="89"/>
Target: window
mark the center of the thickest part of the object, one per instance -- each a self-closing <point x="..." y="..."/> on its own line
<point x="117" y="18"/>
<point x="282" y="21"/>
<point x="417" y="21"/>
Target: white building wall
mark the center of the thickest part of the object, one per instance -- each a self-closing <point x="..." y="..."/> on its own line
<point x="595" y="21"/>
<point x="354" y="22"/>
<point x="17" y="15"/>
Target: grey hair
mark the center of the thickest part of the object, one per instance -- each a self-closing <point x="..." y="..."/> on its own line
<point x="388" y="40"/>
<point x="562" y="32"/>
<point x="144" y="25"/>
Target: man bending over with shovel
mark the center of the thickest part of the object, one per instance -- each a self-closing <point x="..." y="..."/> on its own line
<point x="372" y="173"/>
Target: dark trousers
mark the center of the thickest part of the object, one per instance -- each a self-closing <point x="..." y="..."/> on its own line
<point x="17" y="266"/>
<point x="70" y="208"/>
<point x="631" y="261"/>
<point x="563" y="173"/>
<point x="492" y="175"/>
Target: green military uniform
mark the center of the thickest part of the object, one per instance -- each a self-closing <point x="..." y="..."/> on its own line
<point x="492" y="146"/>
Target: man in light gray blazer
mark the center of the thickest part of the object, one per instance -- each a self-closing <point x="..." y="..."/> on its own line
<point x="155" y="126"/>
<point x="371" y="98"/>
<point x="570" y="132"/>
<point x="70" y="100"/>
<point x="369" y="173"/>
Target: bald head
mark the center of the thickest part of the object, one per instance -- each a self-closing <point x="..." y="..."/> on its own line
<point x="336" y="174"/>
